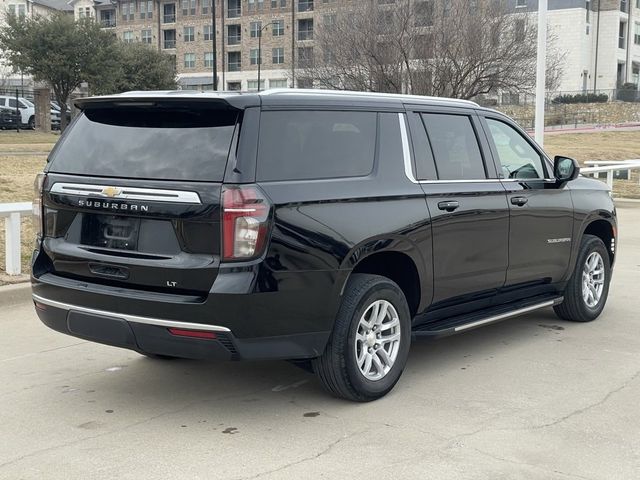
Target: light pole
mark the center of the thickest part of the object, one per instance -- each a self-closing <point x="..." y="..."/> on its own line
<point x="541" y="72"/>
<point x="260" y="49"/>
<point x="215" y="45"/>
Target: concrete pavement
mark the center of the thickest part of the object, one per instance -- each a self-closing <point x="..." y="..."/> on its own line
<point x="530" y="398"/>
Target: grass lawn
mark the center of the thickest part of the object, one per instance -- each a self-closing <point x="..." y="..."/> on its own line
<point x="18" y="168"/>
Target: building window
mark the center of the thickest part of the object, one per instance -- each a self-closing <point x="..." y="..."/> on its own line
<point x="588" y="7"/>
<point x="189" y="60"/>
<point x="636" y="34"/>
<point x="253" y="56"/>
<point x="169" y="37"/>
<point x="234" y="34"/>
<point x="234" y="61"/>
<point x="207" y="32"/>
<point x="255" y="28"/>
<point x="278" y="28"/>
<point x="521" y="3"/>
<point x="622" y="38"/>
<point x="145" y="35"/>
<point x="305" y="5"/>
<point x="108" y="18"/>
<point x="234" y="8"/>
<point x="260" y="5"/>
<point x="278" y="83"/>
<point x="146" y="9"/>
<point x="253" y="85"/>
<point x="305" y="29"/>
<point x="624" y="6"/>
<point x="234" y="86"/>
<point x="424" y="14"/>
<point x="277" y="55"/>
<point x="635" y="74"/>
<point x="305" y="57"/>
<point x="127" y="37"/>
<point x="205" y="7"/>
<point x="208" y="59"/>
<point x="189" y="34"/>
<point x="188" y="7"/>
<point x="252" y="5"/>
<point x="329" y="21"/>
<point x="169" y="13"/>
<point x="128" y="11"/>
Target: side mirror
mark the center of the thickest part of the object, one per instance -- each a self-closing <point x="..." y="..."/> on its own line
<point x="565" y="169"/>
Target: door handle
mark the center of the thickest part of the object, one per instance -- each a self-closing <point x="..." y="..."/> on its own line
<point x="519" y="201"/>
<point x="449" y="205"/>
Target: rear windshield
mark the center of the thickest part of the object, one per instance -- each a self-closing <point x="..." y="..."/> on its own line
<point x="297" y="145"/>
<point x="147" y="143"/>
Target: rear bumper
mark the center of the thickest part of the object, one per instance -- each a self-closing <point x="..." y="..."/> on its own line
<point x="152" y="335"/>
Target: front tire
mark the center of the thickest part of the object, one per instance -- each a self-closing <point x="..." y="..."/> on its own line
<point x="586" y="293"/>
<point x="368" y="348"/>
<point x="32" y="123"/>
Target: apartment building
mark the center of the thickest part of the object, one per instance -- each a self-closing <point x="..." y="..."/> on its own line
<point x="601" y="38"/>
<point x="183" y="28"/>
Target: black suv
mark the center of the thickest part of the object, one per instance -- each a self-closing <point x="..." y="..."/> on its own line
<point x="326" y="228"/>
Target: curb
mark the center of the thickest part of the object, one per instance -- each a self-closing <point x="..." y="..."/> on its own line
<point x="15" y="294"/>
<point x="627" y="202"/>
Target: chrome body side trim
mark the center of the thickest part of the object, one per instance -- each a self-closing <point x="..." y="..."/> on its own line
<point x="130" y="318"/>
<point x="125" y="193"/>
<point x="503" y="316"/>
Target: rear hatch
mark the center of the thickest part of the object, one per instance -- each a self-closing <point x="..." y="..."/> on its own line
<point x="132" y="195"/>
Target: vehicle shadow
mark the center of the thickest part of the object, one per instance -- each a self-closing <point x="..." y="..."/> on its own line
<point x="229" y="386"/>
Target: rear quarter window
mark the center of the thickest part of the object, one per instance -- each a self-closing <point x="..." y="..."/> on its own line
<point x="307" y="145"/>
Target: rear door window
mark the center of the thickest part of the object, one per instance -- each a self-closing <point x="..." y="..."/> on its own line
<point x="455" y="147"/>
<point x="306" y="145"/>
<point x="179" y="143"/>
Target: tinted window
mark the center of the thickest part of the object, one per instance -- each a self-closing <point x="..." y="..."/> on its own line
<point x="425" y="168"/>
<point x="517" y="157"/>
<point x="311" y="145"/>
<point x="161" y="143"/>
<point x="455" y="147"/>
<point x="12" y="102"/>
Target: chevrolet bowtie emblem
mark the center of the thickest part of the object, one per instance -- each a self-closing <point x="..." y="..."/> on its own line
<point x="111" y="192"/>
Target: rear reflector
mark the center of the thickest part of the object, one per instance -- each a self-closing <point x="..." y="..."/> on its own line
<point x="192" y="333"/>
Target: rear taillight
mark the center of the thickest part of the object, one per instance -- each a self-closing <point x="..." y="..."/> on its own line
<point x="37" y="203"/>
<point x="245" y="222"/>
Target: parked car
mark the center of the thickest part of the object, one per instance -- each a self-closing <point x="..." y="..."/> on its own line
<point x="55" y="113"/>
<point x="27" y="111"/>
<point x="8" y="118"/>
<point x="352" y="223"/>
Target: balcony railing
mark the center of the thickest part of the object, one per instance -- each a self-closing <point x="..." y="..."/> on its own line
<point x="234" y="39"/>
<point x="234" y="12"/>
<point x="169" y="44"/>
<point x="235" y="66"/>
<point x="169" y="18"/>
<point x="108" y="22"/>
<point x="305" y="35"/>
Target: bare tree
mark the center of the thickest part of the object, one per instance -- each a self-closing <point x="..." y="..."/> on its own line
<point x="456" y="48"/>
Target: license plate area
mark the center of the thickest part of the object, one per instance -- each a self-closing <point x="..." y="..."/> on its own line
<point x="109" y="231"/>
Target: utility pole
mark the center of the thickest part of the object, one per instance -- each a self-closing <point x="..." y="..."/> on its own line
<point x="541" y="71"/>
<point x="215" y="45"/>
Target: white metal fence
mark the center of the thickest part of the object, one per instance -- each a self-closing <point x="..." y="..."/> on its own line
<point x="13" y="212"/>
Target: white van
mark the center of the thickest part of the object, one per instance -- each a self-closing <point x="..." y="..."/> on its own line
<point x="28" y="111"/>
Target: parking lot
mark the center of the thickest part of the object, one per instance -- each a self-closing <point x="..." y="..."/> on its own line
<point x="531" y="398"/>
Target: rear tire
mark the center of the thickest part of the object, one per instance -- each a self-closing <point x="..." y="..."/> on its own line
<point x="586" y="293"/>
<point x="369" y="345"/>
